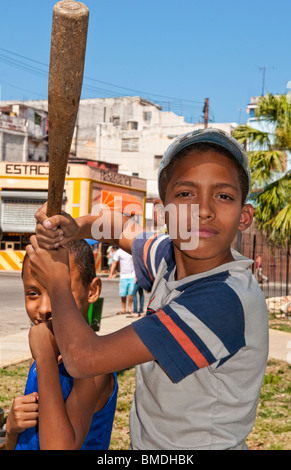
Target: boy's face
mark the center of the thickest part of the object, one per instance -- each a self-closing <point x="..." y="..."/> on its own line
<point x="37" y="301"/>
<point x="210" y="180"/>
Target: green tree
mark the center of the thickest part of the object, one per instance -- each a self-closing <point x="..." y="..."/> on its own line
<point x="271" y="185"/>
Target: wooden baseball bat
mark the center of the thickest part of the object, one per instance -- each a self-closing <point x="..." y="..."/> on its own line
<point x="67" y="59"/>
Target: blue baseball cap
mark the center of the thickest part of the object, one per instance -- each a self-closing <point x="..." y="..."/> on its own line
<point x="209" y="135"/>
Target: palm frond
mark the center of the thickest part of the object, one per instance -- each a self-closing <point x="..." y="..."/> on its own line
<point x="246" y="133"/>
<point x="263" y="163"/>
<point x="268" y="204"/>
<point x="273" y="107"/>
<point x="272" y="194"/>
<point x="282" y="224"/>
<point x="277" y="109"/>
<point x="268" y="107"/>
<point x="283" y="136"/>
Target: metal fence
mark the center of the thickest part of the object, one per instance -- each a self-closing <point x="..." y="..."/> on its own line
<point x="274" y="275"/>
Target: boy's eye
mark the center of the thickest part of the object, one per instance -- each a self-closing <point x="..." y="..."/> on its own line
<point x="225" y="196"/>
<point x="31" y="294"/>
<point x="184" y="194"/>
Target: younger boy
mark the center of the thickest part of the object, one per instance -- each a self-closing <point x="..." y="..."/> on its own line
<point x="57" y="411"/>
<point x="203" y="344"/>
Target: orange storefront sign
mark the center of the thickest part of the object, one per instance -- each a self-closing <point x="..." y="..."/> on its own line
<point x="123" y="202"/>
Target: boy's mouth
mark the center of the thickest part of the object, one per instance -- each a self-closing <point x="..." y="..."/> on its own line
<point x="39" y="320"/>
<point x="204" y="231"/>
<point x="207" y="232"/>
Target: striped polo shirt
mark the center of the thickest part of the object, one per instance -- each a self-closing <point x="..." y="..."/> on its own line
<point x="209" y="336"/>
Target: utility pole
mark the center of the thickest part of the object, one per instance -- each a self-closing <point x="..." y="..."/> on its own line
<point x="206" y="112"/>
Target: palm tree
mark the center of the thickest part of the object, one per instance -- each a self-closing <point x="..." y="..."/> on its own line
<point x="271" y="186"/>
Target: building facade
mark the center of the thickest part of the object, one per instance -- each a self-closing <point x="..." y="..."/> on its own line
<point x="88" y="188"/>
<point x="127" y="136"/>
<point x="129" y="131"/>
<point x="23" y="133"/>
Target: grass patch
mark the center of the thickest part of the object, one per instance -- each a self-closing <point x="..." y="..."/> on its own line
<point x="120" y="437"/>
<point x="279" y="322"/>
<point x="12" y="384"/>
<point x="272" y="429"/>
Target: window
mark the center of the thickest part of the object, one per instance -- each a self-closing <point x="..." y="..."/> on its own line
<point x="116" y="120"/>
<point x="37" y="119"/>
<point x="157" y="161"/>
<point x="132" y="125"/>
<point x="130" y="145"/>
<point x="147" y="115"/>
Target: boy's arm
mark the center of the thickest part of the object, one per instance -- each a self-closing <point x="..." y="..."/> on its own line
<point x="107" y="226"/>
<point x="86" y="397"/>
<point x="84" y="353"/>
<point x="52" y="423"/>
<point x="62" y="425"/>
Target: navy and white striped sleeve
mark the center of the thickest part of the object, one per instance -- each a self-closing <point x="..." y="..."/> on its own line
<point x="203" y="326"/>
<point x="148" y="250"/>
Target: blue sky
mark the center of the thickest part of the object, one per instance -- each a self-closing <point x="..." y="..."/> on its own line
<point x="173" y="52"/>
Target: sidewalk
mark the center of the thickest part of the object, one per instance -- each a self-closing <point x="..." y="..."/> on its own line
<point x="14" y="348"/>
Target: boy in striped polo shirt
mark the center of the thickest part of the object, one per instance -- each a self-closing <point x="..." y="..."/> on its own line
<point x="202" y="347"/>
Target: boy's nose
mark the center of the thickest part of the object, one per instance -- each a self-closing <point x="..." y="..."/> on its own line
<point x="45" y="307"/>
<point x="206" y="210"/>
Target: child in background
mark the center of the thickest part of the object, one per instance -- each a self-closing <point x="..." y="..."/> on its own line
<point x="202" y="347"/>
<point x="57" y="411"/>
<point x="137" y="292"/>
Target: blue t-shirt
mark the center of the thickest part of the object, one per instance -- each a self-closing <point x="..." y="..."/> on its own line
<point x="98" y="437"/>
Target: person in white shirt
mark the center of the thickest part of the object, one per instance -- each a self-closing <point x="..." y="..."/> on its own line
<point x="127" y="278"/>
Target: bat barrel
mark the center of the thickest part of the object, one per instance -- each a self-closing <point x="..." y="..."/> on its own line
<point x="67" y="59"/>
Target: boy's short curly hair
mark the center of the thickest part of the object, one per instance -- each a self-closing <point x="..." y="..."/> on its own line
<point x="201" y="148"/>
<point x="83" y="257"/>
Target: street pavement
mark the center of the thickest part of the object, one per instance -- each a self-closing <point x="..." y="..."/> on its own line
<point x="14" y="323"/>
<point x="14" y="348"/>
<point x="13" y="317"/>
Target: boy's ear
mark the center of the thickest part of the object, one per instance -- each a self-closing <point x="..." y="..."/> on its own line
<point x="94" y="290"/>
<point x="246" y="218"/>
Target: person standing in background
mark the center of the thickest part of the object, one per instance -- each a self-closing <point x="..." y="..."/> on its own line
<point x="110" y="253"/>
<point x="259" y="270"/>
<point x="137" y="312"/>
<point x="127" y="278"/>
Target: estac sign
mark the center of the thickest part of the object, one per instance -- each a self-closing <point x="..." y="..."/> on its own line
<point x="28" y="169"/>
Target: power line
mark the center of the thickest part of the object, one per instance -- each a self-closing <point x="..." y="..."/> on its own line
<point x="140" y="92"/>
<point x="22" y="66"/>
<point x="24" y="57"/>
<point x="186" y="103"/>
<point x="20" y="88"/>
